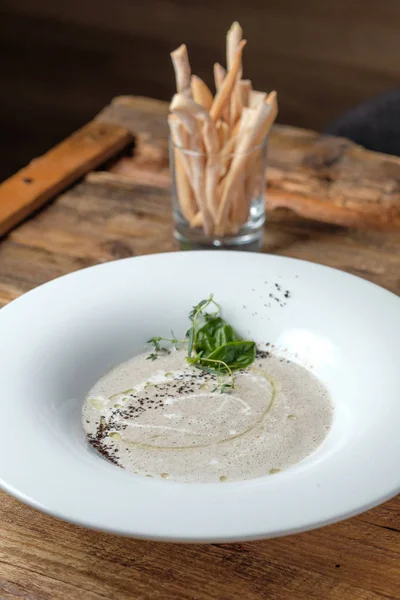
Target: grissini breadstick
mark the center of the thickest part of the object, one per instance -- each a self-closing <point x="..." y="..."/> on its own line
<point x="256" y="98"/>
<point x="197" y="161"/>
<point x="226" y="154"/>
<point x="237" y="202"/>
<point x="180" y="60"/>
<point x="184" y="189"/>
<point x="233" y="39"/>
<point x="238" y="192"/>
<point x="272" y="102"/>
<point x="224" y="92"/>
<point x="201" y="93"/>
<point x="218" y="141"/>
<point x="235" y="130"/>
<point x="183" y="174"/>
<point x="219" y="76"/>
<point x="212" y="176"/>
<point x="213" y="167"/>
<point x="245" y="143"/>
<point x="252" y="184"/>
<point x="180" y="104"/>
<point x="197" y="220"/>
<point x="254" y="163"/>
<point x="223" y="132"/>
<point x="178" y="135"/>
<point x="235" y="104"/>
<point x="245" y="88"/>
<point x="246" y="111"/>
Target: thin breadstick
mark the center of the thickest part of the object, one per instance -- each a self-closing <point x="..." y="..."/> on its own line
<point x="223" y="132"/>
<point x="239" y="125"/>
<point x="235" y="130"/>
<point x="236" y="104"/>
<point x="245" y="87"/>
<point x="254" y="163"/>
<point x="213" y="166"/>
<point x="272" y="105"/>
<point x="219" y="141"/>
<point x="211" y="143"/>
<point x="197" y="220"/>
<point x="272" y="102"/>
<point x="180" y="60"/>
<point x="256" y="98"/>
<point x="228" y="151"/>
<point x="254" y="179"/>
<point x="238" y="192"/>
<point x="240" y="158"/>
<point x="197" y="161"/>
<point x="179" y="138"/>
<point x="237" y="201"/>
<point x="233" y="39"/>
<point x="212" y="176"/>
<point x="186" y="198"/>
<point x="183" y="178"/>
<point x="223" y="94"/>
<point x="182" y="105"/>
<point x="201" y="93"/>
<point x="219" y="75"/>
<point x="226" y="155"/>
<point x="254" y="183"/>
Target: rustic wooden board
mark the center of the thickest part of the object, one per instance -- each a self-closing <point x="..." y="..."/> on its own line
<point x="318" y="177"/>
<point x="110" y="215"/>
<point x="48" y="175"/>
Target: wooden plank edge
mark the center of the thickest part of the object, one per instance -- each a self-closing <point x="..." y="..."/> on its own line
<point x="46" y="176"/>
<point x="318" y="209"/>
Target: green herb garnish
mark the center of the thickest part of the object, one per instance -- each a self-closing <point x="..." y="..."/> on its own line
<point x="213" y="345"/>
<point x="155" y="341"/>
<point x="158" y="349"/>
<point x="222" y="388"/>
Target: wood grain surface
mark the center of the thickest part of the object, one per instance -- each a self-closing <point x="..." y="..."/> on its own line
<point x="44" y="177"/>
<point x="319" y="177"/>
<point x="121" y="211"/>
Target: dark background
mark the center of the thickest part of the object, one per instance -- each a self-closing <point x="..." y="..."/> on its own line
<point x="61" y="62"/>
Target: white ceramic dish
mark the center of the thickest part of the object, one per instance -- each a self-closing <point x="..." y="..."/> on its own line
<point x="60" y="338"/>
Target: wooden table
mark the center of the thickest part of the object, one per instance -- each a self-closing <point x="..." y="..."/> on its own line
<point x="123" y="210"/>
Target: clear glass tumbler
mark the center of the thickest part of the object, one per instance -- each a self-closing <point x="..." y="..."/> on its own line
<point x="219" y="200"/>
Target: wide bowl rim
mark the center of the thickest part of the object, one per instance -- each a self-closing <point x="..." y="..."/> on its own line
<point x="378" y="498"/>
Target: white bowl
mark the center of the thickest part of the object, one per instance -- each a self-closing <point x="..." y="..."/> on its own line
<point x="60" y="338"/>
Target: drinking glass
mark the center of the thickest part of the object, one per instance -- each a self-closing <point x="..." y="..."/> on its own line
<point x="219" y="200"/>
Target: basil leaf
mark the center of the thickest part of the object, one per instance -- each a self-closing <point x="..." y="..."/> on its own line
<point x="213" y="345"/>
<point x="190" y="336"/>
<point x="236" y="354"/>
<point x="214" y="333"/>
